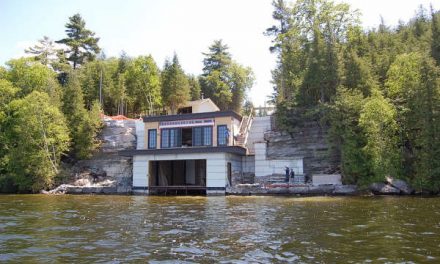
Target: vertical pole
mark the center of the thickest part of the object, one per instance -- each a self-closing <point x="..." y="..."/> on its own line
<point x="100" y="88"/>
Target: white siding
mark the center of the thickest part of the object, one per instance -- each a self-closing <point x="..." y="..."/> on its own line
<point x="140" y="134"/>
<point x="140" y="171"/>
<point x="216" y="171"/>
<point x="216" y="167"/>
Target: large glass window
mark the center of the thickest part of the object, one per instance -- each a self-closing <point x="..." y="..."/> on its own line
<point x="202" y="136"/>
<point x="207" y="136"/>
<point x="197" y="134"/>
<point x="165" y="138"/>
<point x="171" y="138"/>
<point x="222" y="135"/>
<point x="174" y="137"/>
<point x="152" y="138"/>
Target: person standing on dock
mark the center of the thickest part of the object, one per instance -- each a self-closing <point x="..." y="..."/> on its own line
<point x="292" y="174"/>
<point x="287" y="174"/>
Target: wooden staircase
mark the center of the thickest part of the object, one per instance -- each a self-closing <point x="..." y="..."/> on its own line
<point x="245" y="125"/>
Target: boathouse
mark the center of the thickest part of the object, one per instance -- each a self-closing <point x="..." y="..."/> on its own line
<point x="201" y="150"/>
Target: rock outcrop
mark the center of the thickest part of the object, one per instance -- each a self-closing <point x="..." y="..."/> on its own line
<point x="401" y="185"/>
<point x="391" y="186"/>
<point x="106" y="171"/>
<point x="308" y="142"/>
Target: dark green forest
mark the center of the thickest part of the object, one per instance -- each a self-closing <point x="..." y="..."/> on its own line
<point x="51" y="101"/>
<point x="377" y="90"/>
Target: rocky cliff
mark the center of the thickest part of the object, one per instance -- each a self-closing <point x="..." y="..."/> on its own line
<point x="308" y="141"/>
<point x="105" y="171"/>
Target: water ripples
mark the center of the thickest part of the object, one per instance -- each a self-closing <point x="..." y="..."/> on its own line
<point x="120" y="229"/>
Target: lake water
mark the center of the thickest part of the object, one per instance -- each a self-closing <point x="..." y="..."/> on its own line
<point x="124" y="229"/>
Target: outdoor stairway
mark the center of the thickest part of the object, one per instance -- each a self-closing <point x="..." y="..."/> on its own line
<point x="245" y="125"/>
<point x="260" y="125"/>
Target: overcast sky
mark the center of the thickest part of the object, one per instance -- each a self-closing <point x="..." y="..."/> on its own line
<point x="160" y="28"/>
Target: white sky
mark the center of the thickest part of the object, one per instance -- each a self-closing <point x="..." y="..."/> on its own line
<point x="162" y="27"/>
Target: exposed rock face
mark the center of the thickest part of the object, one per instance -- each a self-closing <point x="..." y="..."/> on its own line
<point x="308" y="142"/>
<point x="107" y="164"/>
<point x="118" y="135"/>
<point x="106" y="171"/>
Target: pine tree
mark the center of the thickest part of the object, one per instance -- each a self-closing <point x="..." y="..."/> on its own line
<point x="44" y="51"/>
<point x="223" y="80"/>
<point x="175" y="86"/>
<point x="194" y="87"/>
<point x="214" y="79"/>
<point x="435" y="42"/>
<point x="81" y="41"/>
<point x="83" y="129"/>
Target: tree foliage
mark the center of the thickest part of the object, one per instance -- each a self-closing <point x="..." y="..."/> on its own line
<point x="223" y="80"/>
<point x="83" y="126"/>
<point x="175" y="85"/>
<point x="379" y="88"/>
<point x="82" y="43"/>
<point x="37" y="137"/>
<point x="51" y="104"/>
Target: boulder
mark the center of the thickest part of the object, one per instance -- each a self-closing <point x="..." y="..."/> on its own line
<point x="401" y="185"/>
<point x="380" y="188"/>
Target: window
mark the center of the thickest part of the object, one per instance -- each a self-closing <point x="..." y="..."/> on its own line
<point x="202" y="136"/>
<point x="197" y="134"/>
<point x="222" y="135"/>
<point x="152" y="138"/>
<point x="207" y="136"/>
<point x="165" y="142"/>
<point x="171" y="138"/>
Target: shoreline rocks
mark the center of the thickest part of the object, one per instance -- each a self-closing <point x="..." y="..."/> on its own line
<point x="391" y="187"/>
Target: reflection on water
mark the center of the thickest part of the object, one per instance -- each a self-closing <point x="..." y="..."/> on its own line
<point x="121" y="229"/>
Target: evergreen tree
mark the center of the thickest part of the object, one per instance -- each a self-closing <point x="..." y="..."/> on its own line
<point x="194" y="87"/>
<point x="83" y="128"/>
<point x="81" y="41"/>
<point x="44" y="52"/>
<point x="413" y="86"/>
<point x="347" y="137"/>
<point x="435" y="28"/>
<point x="175" y="86"/>
<point x="214" y="80"/>
<point x="223" y="80"/>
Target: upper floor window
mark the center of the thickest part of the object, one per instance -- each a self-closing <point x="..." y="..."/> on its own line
<point x="152" y="138"/>
<point x="202" y="136"/>
<point x="222" y="135"/>
<point x="171" y="138"/>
